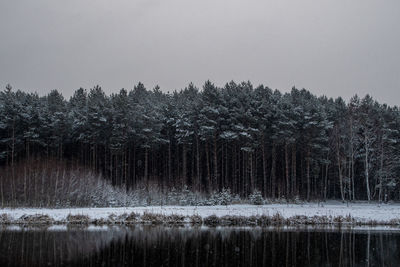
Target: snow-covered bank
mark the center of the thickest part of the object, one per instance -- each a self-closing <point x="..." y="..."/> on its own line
<point x="330" y="212"/>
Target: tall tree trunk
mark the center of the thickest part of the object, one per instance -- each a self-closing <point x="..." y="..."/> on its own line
<point x="326" y="178"/>
<point x="339" y="163"/>
<point x="348" y="165"/>
<point x="352" y="178"/>
<point x="273" y="170"/>
<point x="133" y="165"/>
<point x="252" y="181"/>
<point x="2" y="192"/>
<point x="340" y="175"/>
<point x="366" y="162"/>
<point x="208" y="169"/>
<point x="111" y="166"/>
<point x="129" y="177"/>
<point x="55" y="187"/>
<point x="264" y="165"/>
<point x="12" y="161"/>
<point x="116" y="168"/>
<point x="25" y="187"/>
<point x="294" y="174"/>
<point x="184" y="166"/>
<point x="244" y="175"/>
<point x="215" y="177"/>
<point x="105" y="161"/>
<point x="352" y="158"/>
<point x="126" y="164"/>
<point x="198" y="164"/>
<point x="146" y="166"/>
<point x="381" y="173"/>
<point x="169" y="163"/>
<point x="222" y="173"/>
<point x="191" y="178"/>
<point x="235" y="169"/>
<point x="308" y="174"/>
<point x="287" y="171"/>
<point x="226" y="179"/>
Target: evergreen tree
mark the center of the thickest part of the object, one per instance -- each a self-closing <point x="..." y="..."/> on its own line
<point x="238" y="138"/>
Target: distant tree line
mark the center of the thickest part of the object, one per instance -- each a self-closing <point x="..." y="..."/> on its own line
<point x="292" y="145"/>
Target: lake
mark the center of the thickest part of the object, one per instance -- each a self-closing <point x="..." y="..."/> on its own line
<point x="190" y="246"/>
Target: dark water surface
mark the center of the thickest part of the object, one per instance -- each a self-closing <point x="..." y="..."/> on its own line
<point x="186" y="246"/>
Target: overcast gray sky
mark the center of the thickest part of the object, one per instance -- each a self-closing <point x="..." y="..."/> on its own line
<point x="331" y="47"/>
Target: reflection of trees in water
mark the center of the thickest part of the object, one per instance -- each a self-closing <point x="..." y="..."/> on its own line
<point x="39" y="247"/>
<point x="156" y="246"/>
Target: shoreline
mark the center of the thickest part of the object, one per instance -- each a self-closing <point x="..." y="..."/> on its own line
<point x="210" y="221"/>
<point x="188" y="227"/>
<point x="326" y="214"/>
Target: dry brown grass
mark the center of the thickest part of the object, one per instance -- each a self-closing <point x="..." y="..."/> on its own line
<point x="152" y="218"/>
<point x="211" y="220"/>
<point x="78" y="219"/>
<point x="36" y="219"/>
<point x="196" y="219"/>
<point x="5" y="219"/>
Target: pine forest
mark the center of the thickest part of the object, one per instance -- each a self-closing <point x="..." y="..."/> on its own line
<point x="238" y="137"/>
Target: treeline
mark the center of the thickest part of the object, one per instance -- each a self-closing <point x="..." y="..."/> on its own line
<point x="292" y="145"/>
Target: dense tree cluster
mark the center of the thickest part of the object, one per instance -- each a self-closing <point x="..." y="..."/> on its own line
<point x="292" y="145"/>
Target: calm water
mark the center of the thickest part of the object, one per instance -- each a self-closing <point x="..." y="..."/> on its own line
<point x="185" y="246"/>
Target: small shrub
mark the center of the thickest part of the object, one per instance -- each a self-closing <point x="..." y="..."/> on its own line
<point x="5" y="219"/>
<point x="277" y="219"/>
<point x="236" y="199"/>
<point x="152" y="218"/>
<point x="36" y="219"/>
<point x="187" y="197"/>
<point x="124" y="218"/>
<point x="252" y="220"/>
<point x="320" y="219"/>
<point x="264" y="220"/>
<point x="196" y="219"/>
<point x="132" y="217"/>
<point x="173" y="197"/>
<point x="233" y="220"/>
<point x="112" y="218"/>
<point x="299" y="219"/>
<point x="373" y="222"/>
<point x="101" y="221"/>
<point x="174" y="219"/>
<point x="256" y="198"/>
<point x="338" y="219"/>
<point x="349" y="219"/>
<point x="220" y="198"/>
<point x="225" y="197"/>
<point x="297" y="200"/>
<point x="78" y="219"/>
<point x="212" y="220"/>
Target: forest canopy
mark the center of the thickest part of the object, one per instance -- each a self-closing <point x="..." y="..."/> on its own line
<point x="285" y="145"/>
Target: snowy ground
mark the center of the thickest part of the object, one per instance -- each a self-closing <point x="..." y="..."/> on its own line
<point x="359" y="211"/>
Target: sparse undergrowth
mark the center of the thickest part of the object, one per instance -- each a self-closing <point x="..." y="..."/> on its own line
<point x="53" y="183"/>
<point x="79" y="187"/>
